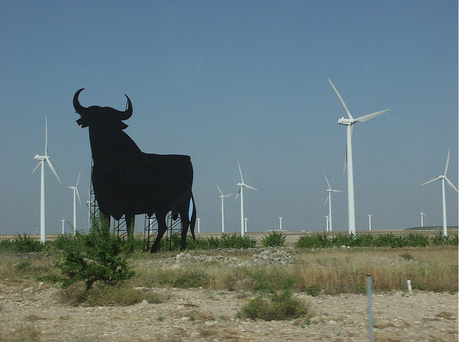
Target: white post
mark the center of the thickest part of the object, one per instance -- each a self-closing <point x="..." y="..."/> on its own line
<point x="62" y="227"/>
<point x="198" y="224"/>
<point x="409" y="286"/>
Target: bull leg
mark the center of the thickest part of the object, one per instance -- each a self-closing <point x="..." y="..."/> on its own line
<point x="130" y="220"/>
<point x="162" y="227"/>
<point x="184" y="228"/>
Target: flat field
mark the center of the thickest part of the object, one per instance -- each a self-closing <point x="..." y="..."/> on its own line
<point x="201" y="292"/>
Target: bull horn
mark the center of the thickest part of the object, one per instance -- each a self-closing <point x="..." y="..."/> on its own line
<point x="76" y="104"/>
<point x="128" y="112"/>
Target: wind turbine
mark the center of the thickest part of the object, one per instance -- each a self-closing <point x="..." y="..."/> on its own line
<point x="349" y="122"/>
<point x="41" y="162"/>
<point x="329" y="199"/>
<point x="421" y="218"/>
<point x="222" y="196"/>
<point x="369" y="216"/>
<point x="246" y="220"/>
<point x="75" y="192"/>
<point x="242" y="185"/>
<point x="281" y="221"/>
<point x="444" y="179"/>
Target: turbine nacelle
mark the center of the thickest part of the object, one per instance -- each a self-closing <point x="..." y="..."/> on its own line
<point x="344" y="121"/>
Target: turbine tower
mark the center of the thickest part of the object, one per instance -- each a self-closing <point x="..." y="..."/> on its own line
<point x="75" y="193"/>
<point x="349" y="122"/>
<point x="327" y="222"/>
<point x="421" y="218"/>
<point x="41" y="162"/>
<point x="369" y="216"/>
<point x="222" y="196"/>
<point x="281" y="221"/>
<point x="443" y="180"/>
<point x="329" y="199"/>
<point x="242" y="185"/>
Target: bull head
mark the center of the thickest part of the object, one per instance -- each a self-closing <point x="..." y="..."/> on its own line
<point x="88" y="114"/>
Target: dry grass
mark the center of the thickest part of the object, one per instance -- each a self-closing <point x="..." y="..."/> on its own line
<point x="328" y="271"/>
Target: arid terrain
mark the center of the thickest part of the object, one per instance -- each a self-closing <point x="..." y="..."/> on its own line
<point x="34" y="311"/>
<point x="35" y="314"/>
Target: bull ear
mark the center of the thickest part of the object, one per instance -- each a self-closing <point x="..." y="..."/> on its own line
<point x="128" y="112"/>
<point x="76" y="104"/>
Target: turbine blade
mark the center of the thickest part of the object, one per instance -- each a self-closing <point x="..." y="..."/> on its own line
<point x="450" y="183"/>
<point x="237" y="195"/>
<point x="227" y="195"/>
<point x="341" y="101"/>
<point x="219" y="190"/>
<point x="327" y="198"/>
<point x="250" y="187"/>
<point x="447" y="163"/>
<point x="78" y="195"/>
<point x="241" y="173"/>
<point x="52" y="169"/>
<point x="46" y="136"/>
<point x="36" y="167"/>
<point x="329" y="185"/>
<point x="370" y="116"/>
<point x="431" y="181"/>
<point x="78" y="179"/>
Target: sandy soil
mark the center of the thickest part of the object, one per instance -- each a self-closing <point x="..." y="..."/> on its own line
<point x="36" y="314"/>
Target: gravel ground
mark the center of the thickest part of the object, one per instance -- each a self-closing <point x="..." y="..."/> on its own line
<point x="36" y="314"/>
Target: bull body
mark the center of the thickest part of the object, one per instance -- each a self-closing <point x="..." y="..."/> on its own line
<point x="127" y="181"/>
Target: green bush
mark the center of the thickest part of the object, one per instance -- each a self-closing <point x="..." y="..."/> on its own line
<point x="27" y="244"/>
<point x="278" y="306"/>
<point x="274" y="239"/>
<point x="236" y="241"/>
<point x="97" y="256"/>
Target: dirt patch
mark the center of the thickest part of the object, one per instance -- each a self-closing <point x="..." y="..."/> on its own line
<point x="36" y="314"/>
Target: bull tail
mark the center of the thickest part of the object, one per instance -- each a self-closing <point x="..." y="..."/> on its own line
<point x="193" y="216"/>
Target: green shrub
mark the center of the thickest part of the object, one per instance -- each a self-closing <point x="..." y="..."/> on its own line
<point x="236" y="241"/>
<point x="416" y="240"/>
<point x="6" y="246"/>
<point x="27" y="244"/>
<point x="94" y="257"/>
<point x="314" y="241"/>
<point x="274" y="239"/>
<point x="440" y="240"/>
<point x="278" y="306"/>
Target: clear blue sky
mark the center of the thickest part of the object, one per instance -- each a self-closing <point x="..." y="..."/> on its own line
<point x="229" y="81"/>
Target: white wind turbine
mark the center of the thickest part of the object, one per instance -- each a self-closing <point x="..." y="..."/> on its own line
<point x="222" y="196"/>
<point x="281" y="221"/>
<point x="421" y="218"/>
<point x="329" y="199"/>
<point x="349" y="122"/>
<point x="246" y="220"/>
<point x="444" y="179"/>
<point x="75" y="193"/>
<point x="242" y="185"/>
<point x="41" y="162"/>
<point x="369" y="216"/>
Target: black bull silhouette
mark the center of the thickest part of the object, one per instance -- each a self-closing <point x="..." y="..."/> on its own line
<point x="127" y="181"/>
